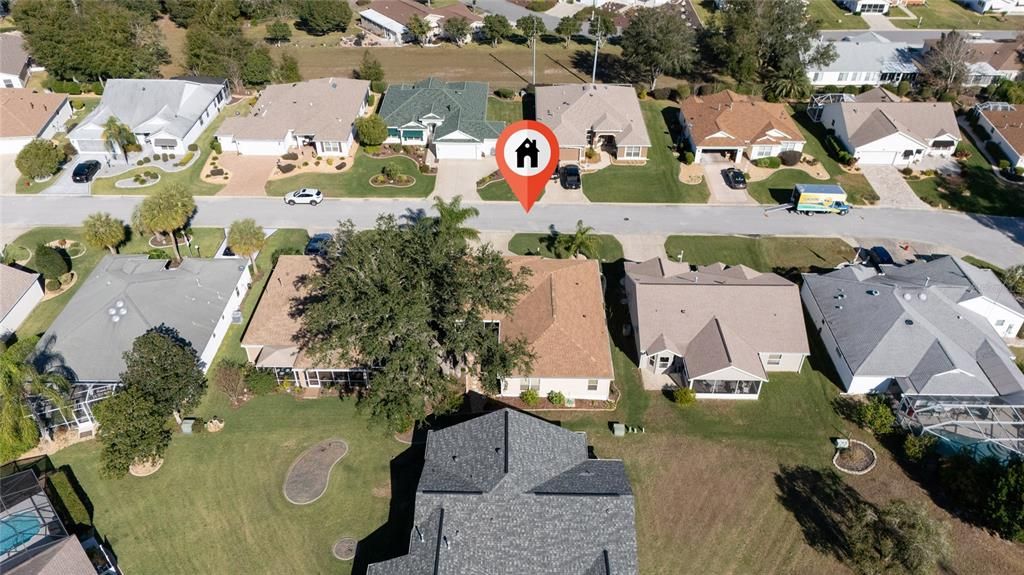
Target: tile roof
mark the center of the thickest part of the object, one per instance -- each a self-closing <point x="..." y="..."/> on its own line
<point x="325" y="108"/>
<point x="191" y="299"/>
<point x="683" y="310"/>
<point x="508" y="492"/>
<point x="572" y="111"/>
<point x="908" y="324"/>
<point x="1010" y="125"/>
<point x="462" y="106"/>
<point x="14" y="283"/>
<point x="13" y="56"/>
<point x="867" y="122"/>
<point x="26" y="113"/>
<point x="562" y="318"/>
<point x="742" y="120"/>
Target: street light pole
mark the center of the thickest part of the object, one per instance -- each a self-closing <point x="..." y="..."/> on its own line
<point x="597" y="42"/>
<point x="534" y="57"/>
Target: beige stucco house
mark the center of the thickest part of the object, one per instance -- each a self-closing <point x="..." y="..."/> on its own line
<point x="602" y="116"/>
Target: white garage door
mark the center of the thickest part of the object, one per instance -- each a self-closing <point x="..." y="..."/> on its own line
<point x="456" y="151"/>
<point x="262" y="147"/>
<point x="13" y="145"/>
<point x="877" y="158"/>
<point x="90" y="145"/>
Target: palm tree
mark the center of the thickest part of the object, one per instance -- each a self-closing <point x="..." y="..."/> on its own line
<point x="117" y="136"/>
<point x="450" y="217"/>
<point x="19" y="380"/>
<point x="167" y="211"/>
<point x="582" y="241"/>
<point x="245" y="238"/>
<point x="102" y="230"/>
<point x="788" y="83"/>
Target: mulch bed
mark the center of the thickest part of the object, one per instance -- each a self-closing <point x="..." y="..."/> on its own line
<point x="164" y="241"/>
<point x="308" y="476"/>
<point x="858" y="458"/>
<point x="345" y="548"/>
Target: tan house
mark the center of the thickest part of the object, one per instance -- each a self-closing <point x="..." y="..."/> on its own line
<point x="27" y="115"/>
<point x="715" y="329"/>
<point x="562" y="318"/>
<point x="600" y="116"/>
<point x="270" y="339"/>
<point x="731" y="125"/>
<point x="893" y="133"/>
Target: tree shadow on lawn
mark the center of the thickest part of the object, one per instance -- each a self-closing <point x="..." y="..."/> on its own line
<point x="823" y="505"/>
<point x="618" y="313"/>
<point x="611" y="68"/>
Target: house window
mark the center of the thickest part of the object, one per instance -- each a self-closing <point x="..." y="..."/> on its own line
<point x="591" y="385"/>
<point x="8" y="84"/>
<point x="774" y="359"/>
<point x="1000" y="322"/>
<point x="855" y="76"/>
<point x="760" y="152"/>
<point x="787" y="146"/>
<point x="529" y="383"/>
<point x="331" y="146"/>
<point x="843" y="76"/>
<point x="816" y="77"/>
<point x="413" y="134"/>
<point x="201" y="122"/>
<point x="631" y="152"/>
<point x="393" y="132"/>
<point x="664" y="360"/>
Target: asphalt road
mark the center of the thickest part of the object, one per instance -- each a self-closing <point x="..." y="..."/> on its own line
<point x="996" y="239"/>
<point x="917" y="36"/>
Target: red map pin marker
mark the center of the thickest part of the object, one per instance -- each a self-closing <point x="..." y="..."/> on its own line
<point x="527" y="155"/>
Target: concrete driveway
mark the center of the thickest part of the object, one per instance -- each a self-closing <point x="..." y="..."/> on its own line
<point x="721" y="193"/>
<point x="249" y="174"/>
<point x="8" y="174"/>
<point x="459" y="177"/>
<point x="893" y="191"/>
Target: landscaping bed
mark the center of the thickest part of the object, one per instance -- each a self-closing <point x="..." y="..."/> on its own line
<point x="858" y="459"/>
<point x="355" y="182"/>
<point x="608" y="248"/>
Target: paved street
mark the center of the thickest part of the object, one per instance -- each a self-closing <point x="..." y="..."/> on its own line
<point x="995" y="239"/>
<point x="916" y="36"/>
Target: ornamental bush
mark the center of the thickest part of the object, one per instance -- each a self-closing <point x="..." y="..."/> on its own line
<point x="379" y="86"/>
<point x="770" y="162"/>
<point x="49" y="262"/>
<point x="688" y="158"/>
<point x="39" y="159"/>
<point x="790" y="157"/>
<point x="556" y="397"/>
<point x="193" y="147"/>
<point x="504" y="93"/>
<point x="683" y="396"/>
<point x="530" y="397"/>
<point x="876" y="415"/>
<point x="260" y="381"/>
<point x="917" y="447"/>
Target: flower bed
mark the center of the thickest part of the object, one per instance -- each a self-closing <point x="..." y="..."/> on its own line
<point x="399" y="181"/>
<point x="73" y="248"/>
<point x="857" y="459"/>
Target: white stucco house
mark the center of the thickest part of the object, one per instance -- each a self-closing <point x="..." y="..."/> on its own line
<point x="1004" y="123"/>
<point x="15" y="63"/>
<point x="732" y="125"/>
<point x="319" y="113"/>
<point x="389" y="19"/>
<point x="866" y="59"/>
<point x="1011" y="7"/>
<point x="20" y="291"/>
<point x="893" y="133"/>
<point x="866" y="6"/>
<point x="165" y="115"/>
<point x="29" y="115"/>
<point x="715" y="329"/>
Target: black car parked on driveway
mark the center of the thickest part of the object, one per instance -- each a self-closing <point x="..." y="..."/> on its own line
<point x="734" y="179"/>
<point x="85" y="171"/>
<point x="571" y="177"/>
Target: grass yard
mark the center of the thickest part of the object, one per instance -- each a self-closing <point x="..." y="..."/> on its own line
<point x="761" y="253"/>
<point x="832" y="17"/>
<point x="988" y="194"/>
<point x="207" y="240"/>
<point x="217" y="494"/>
<point x="947" y="14"/>
<point x="608" y="248"/>
<point x="355" y="183"/>
<point x="658" y="180"/>
<point x="858" y="190"/>
<point x="174" y="41"/>
<point x="507" y="111"/>
<point x="497" y="191"/>
<point x="189" y="178"/>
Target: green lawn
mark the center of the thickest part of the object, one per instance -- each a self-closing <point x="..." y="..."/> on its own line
<point x="207" y="240"/>
<point x="190" y="178"/>
<point x="761" y="253"/>
<point x="355" y="183"/>
<point x="947" y="14"/>
<point x="858" y="190"/>
<point x="658" y="180"/>
<point x="987" y="194"/>
<point x="497" y="192"/>
<point x="832" y="17"/>
<point x="608" y="248"/>
<point x="507" y="111"/>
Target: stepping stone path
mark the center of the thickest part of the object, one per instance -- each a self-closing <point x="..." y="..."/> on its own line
<point x="345" y="548"/>
<point x="308" y="476"/>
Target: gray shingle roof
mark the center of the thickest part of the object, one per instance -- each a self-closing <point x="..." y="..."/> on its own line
<point x="462" y="106"/>
<point x="908" y="324"/>
<point x="13" y="56"/>
<point x="14" y="283"/>
<point x="866" y="122"/>
<point x="510" y="493"/>
<point x="191" y="299"/>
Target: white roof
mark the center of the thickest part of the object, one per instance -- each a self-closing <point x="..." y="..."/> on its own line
<point x="872" y="53"/>
<point x="383" y="21"/>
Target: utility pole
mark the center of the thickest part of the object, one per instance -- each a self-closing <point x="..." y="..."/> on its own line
<point x="597" y="42"/>
<point x="534" y="42"/>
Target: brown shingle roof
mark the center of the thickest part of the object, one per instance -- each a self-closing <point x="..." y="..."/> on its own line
<point x="562" y="318"/>
<point x="272" y="325"/>
<point x="745" y="120"/>
<point x="1001" y="55"/>
<point x="25" y="113"/>
<point x="402" y="10"/>
<point x="1010" y="124"/>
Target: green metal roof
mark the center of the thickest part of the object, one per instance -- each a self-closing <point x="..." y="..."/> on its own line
<point x="462" y="106"/>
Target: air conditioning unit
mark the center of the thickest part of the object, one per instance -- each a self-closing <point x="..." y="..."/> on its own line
<point x="236" y="316"/>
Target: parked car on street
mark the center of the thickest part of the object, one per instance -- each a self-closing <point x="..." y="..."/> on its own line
<point x="571" y="177"/>
<point x="85" y="171"/>
<point x="311" y="196"/>
<point x="734" y="179"/>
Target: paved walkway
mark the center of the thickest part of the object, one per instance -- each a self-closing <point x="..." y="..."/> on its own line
<point x="563" y="9"/>
<point x="459" y="177"/>
<point x="8" y="174"/>
<point x="893" y="191"/>
<point x="643" y="247"/>
<point x="721" y="193"/>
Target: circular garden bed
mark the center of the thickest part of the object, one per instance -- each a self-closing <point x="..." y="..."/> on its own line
<point x="158" y="241"/>
<point x="309" y="474"/>
<point x="345" y="548"/>
<point x="144" y="468"/>
<point x="20" y="255"/>
<point x="857" y="459"/>
<point x="75" y="249"/>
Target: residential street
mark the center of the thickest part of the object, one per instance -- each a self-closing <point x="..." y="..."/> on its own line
<point x="916" y="36"/>
<point x="995" y="239"/>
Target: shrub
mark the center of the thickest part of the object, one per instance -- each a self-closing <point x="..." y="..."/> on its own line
<point x="830" y="89"/>
<point x="379" y="86"/>
<point x="330" y="161"/>
<point x="530" y="397"/>
<point x="1004" y="165"/>
<point x="424" y="169"/>
<point x="193" y="147"/>
<point x="682" y="92"/>
<point x="158" y="254"/>
<point x="371" y="100"/>
<point x="39" y="159"/>
<point x="948" y="97"/>
<point x="69" y="499"/>
<point x="505" y="93"/>
<point x="903" y="88"/>
<point x="791" y="157"/>
<point x="198" y="425"/>
<point x="52" y="285"/>
<point x="556" y="397"/>
<point x="216" y="172"/>
<point x="341" y="166"/>
<point x="688" y="158"/>
<point x="172" y="156"/>
<point x="216" y="157"/>
<point x="876" y="415"/>
<point x="49" y="262"/>
<point x="662" y="93"/>
<point x="215" y="145"/>
<point x="917" y="447"/>
<point x="305" y="164"/>
<point x="907" y="171"/>
<point x="287" y="251"/>
<point x="260" y="381"/>
<point x="371" y="130"/>
<point x="363" y="2"/>
<point x="683" y="396"/>
<point x="641" y="90"/>
<point x="186" y="159"/>
<point x="163" y="157"/>
<point x="590" y="153"/>
<point x="1019" y="170"/>
<point x="770" y="162"/>
<point x="285" y="168"/>
<point x="290" y="156"/>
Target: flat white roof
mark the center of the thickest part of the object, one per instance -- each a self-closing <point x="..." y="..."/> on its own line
<point x="383" y="21"/>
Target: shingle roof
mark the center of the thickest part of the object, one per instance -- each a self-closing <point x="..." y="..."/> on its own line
<point x="325" y="108"/>
<point x="66" y="557"/>
<point x="716" y="347"/>
<point x="572" y="111"/>
<point x="998" y="54"/>
<point x="402" y="11"/>
<point x="26" y="113"/>
<point x="1010" y="125"/>
<point x="13" y="56"/>
<point x="462" y="106"/>
<point x="745" y="120"/>
<point x="908" y="324"/>
<point x="758" y="312"/>
<point x="510" y="493"/>
<point x="866" y="122"/>
<point x="562" y="318"/>
<point x="870" y="52"/>
<point x="150" y="106"/>
<point x="14" y="283"/>
<point x="84" y="340"/>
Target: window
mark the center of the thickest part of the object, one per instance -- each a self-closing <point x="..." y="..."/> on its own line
<point x="529" y="383"/>
<point x="843" y="76"/>
<point x="817" y="76"/>
<point x="201" y="122"/>
<point x="393" y="132"/>
<point x="787" y="146"/>
<point x="591" y="385"/>
<point x="8" y="84"/>
<point x="774" y="359"/>
<point x="664" y="360"/>
<point x="631" y="152"/>
<point x="413" y="134"/>
<point x="760" y="152"/>
<point x="1000" y="322"/>
<point x="331" y="146"/>
<point x="855" y="76"/>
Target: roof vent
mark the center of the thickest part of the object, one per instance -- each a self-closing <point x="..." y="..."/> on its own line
<point x="922" y="296"/>
<point x="907" y="297"/>
<point x="839" y="307"/>
<point x="908" y="321"/>
<point x="872" y="292"/>
<point x="841" y="296"/>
